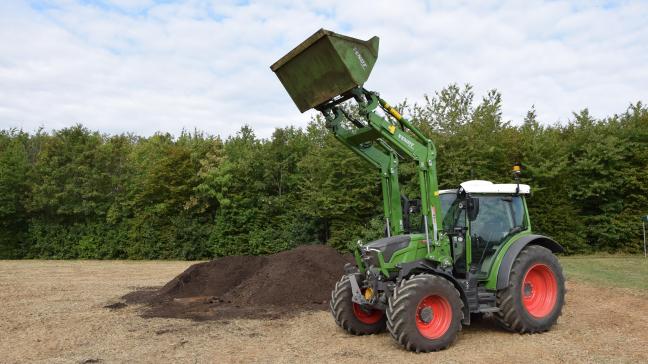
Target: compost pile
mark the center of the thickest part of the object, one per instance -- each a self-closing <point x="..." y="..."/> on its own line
<point x="248" y="286"/>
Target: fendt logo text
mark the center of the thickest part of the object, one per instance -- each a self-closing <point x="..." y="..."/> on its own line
<point x="362" y="61"/>
<point x="406" y="141"/>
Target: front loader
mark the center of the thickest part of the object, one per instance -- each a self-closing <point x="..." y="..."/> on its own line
<point x="474" y="251"/>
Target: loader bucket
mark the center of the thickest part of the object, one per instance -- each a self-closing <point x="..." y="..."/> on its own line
<point x="325" y="65"/>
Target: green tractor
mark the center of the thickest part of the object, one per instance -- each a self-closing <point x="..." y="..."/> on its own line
<point x="473" y="252"/>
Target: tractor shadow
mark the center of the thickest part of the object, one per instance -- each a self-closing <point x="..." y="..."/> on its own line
<point x="479" y="328"/>
<point x="483" y="323"/>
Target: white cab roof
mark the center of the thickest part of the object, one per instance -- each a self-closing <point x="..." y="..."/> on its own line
<point x="479" y="186"/>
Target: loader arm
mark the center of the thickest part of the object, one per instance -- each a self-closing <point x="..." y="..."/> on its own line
<point x="377" y="154"/>
<point x="383" y="142"/>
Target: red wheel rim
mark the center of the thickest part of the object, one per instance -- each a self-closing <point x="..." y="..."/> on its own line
<point x="539" y="291"/>
<point x="369" y="316"/>
<point x="433" y="316"/>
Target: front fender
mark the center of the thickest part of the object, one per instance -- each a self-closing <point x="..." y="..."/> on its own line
<point x="504" y="271"/>
<point x="430" y="267"/>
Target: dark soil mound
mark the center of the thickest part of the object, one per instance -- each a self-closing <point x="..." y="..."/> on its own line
<point x="214" y="278"/>
<point x="248" y="286"/>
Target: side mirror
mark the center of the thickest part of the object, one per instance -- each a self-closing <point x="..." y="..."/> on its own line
<point x="472" y="208"/>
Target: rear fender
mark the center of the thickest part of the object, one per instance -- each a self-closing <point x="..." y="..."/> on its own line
<point x="504" y="270"/>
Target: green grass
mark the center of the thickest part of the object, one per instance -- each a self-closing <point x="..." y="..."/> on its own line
<point x="626" y="271"/>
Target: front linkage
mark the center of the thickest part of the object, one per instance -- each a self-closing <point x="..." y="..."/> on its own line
<point x="416" y="302"/>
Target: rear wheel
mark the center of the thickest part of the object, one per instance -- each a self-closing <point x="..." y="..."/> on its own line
<point x="352" y="317"/>
<point x="535" y="294"/>
<point x="425" y="313"/>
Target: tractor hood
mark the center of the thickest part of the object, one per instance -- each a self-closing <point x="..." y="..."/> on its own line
<point x="387" y="246"/>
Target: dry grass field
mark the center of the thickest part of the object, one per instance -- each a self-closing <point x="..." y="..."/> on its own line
<point x="53" y="312"/>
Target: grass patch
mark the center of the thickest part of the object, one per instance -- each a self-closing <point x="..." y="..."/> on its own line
<point x="626" y="271"/>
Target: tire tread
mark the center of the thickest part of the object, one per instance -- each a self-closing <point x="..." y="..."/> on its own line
<point x="400" y="301"/>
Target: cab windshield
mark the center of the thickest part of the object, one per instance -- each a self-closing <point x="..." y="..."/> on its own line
<point x="446" y="201"/>
<point x="455" y="213"/>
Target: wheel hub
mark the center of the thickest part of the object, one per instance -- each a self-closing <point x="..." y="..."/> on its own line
<point x="433" y="316"/>
<point x="426" y="315"/>
<point x="528" y="289"/>
<point x="539" y="290"/>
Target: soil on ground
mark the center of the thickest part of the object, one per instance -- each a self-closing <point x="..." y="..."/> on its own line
<point x="54" y="312"/>
<point x="270" y="286"/>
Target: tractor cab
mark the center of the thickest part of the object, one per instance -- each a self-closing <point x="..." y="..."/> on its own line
<point x="480" y="217"/>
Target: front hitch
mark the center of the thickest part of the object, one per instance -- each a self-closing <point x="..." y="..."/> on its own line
<point x="356" y="292"/>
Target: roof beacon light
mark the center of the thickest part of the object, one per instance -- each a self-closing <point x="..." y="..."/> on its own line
<point x="517" y="171"/>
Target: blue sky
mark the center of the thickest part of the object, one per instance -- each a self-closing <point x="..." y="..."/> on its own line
<point x="144" y="66"/>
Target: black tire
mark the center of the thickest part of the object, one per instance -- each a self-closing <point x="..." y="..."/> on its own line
<point x="515" y="315"/>
<point x="344" y="312"/>
<point x="406" y="309"/>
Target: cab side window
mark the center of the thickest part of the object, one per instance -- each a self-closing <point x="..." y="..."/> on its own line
<point x="498" y="218"/>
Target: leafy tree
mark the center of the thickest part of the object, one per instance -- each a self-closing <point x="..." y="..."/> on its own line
<point x="339" y="190"/>
<point x="75" y="193"/>
<point x="14" y="189"/>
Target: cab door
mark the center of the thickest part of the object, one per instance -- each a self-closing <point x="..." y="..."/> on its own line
<point x="496" y="218"/>
<point x="456" y="226"/>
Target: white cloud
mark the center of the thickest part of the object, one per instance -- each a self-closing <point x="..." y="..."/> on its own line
<point x="144" y="66"/>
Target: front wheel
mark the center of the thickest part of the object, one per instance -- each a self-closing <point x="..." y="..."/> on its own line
<point x="425" y="313"/>
<point x="535" y="294"/>
<point x="352" y="317"/>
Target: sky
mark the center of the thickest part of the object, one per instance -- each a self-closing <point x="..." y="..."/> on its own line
<point x="144" y="66"/>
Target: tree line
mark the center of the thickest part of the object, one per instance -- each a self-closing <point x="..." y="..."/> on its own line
<point x="77" y="193"/>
